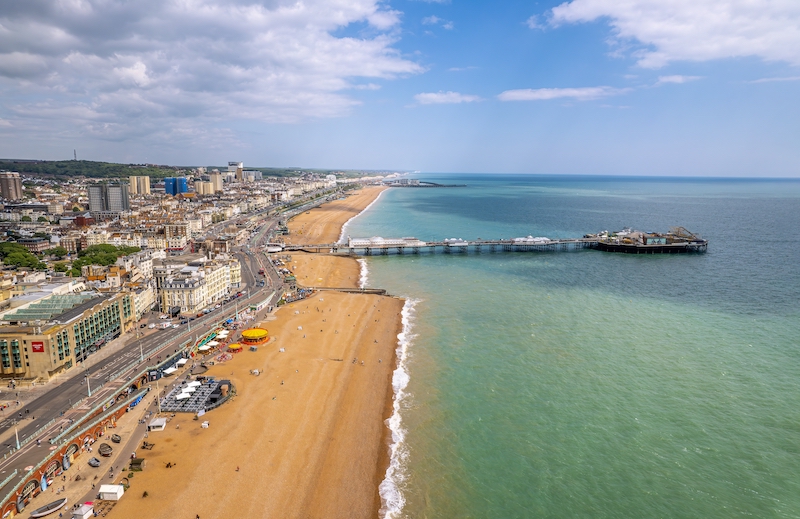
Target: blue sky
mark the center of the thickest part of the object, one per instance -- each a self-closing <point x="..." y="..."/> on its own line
<point x="641" y="87"/>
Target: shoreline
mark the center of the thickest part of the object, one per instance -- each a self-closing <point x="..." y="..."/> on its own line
<point x="388" y="497"/>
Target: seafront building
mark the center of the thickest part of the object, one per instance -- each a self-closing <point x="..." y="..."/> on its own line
<point x="54" y="329"/>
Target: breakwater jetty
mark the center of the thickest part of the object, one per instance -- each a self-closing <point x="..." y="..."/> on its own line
<point x="677" y="241"/>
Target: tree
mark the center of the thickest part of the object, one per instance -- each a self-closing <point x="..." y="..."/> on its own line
<point x="8" y="247"/>
<point x="76" y="209"/>
<point x="58" y="252"/>
<point x="42" y="219"/>
<point x="26" y="218"/>
<point x="60" y="267"/>
<point x="25" y="260"/>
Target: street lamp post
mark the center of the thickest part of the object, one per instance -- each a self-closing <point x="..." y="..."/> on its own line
<point x="87" y="384"/>
<point x="16" y="433"/>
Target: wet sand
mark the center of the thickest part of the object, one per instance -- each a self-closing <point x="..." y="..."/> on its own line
<point x="306" y="438"/>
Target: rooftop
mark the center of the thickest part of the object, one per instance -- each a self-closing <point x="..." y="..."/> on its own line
<point x="65" y="307"/>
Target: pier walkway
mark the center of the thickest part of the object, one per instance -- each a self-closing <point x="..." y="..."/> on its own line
<point x="386" y="246"/>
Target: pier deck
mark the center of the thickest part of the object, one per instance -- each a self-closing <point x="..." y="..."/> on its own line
<point x="409" y="246"/>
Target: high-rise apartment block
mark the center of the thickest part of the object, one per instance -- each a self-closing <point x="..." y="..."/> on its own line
<point x="140" y="185"/>
<point x="203" y="188"/>
<point x="109" y="197"/>
<point x="97" y="197"/>
<point x="10" y="185"/>
<point x="216" y="181"/>
<point x="175" y="185"/>
<point x="236" y="168"/>
<point x="117" y="197"/>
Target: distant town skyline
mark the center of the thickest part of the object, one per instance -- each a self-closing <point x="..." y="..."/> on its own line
<point x="702" y="88"/>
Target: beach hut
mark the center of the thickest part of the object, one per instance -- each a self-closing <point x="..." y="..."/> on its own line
<point x="157" y="424"/>
<point x="111" y="492"/>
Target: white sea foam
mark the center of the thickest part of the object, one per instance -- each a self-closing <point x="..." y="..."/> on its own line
<point x="390" y="489"/>
<point x="344" y="227"/>
<point x="364" y="278"/>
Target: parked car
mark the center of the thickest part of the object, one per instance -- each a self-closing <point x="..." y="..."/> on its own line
<point x="94" y="462"/>
<point x="143" y="325"/>
<point x="151" y="325"/>
<point x="185" y="321"/>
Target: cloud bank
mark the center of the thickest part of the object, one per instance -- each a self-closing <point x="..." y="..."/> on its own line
<point x="116" y="69"/>
<point x="695" y="30"/>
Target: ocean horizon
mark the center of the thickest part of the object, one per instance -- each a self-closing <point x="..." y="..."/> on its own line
<point x="592" y="384"/>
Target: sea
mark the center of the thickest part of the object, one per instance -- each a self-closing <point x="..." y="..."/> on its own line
<point x="589" y="384"/>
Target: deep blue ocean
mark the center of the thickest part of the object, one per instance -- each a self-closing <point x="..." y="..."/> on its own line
<point x="591" y="384"/>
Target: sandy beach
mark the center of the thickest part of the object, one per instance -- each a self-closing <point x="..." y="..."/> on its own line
<point x="324" y="224"/>
<point x="306" y="437"/>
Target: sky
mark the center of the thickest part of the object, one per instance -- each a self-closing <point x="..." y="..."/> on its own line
<point x="625" y="87"/>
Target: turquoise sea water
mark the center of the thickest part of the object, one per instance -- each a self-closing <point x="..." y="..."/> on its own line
<point x="590" y="384"/>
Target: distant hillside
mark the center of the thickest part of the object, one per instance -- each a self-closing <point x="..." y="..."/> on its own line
<point x="91" y="169"/>
<point x="87" y="168"/>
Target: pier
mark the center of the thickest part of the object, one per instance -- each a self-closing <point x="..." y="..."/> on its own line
<point x="385" y="246"/>
<point x="412" y="182"/>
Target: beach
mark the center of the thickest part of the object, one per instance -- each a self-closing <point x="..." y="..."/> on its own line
<point x="306" y="437"/>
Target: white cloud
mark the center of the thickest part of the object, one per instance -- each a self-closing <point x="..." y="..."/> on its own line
<point x="114" y="68"/>
<point x="544" y="94"/>
<point x="533" y="22"/>
<point x="696" y="30"/>
<point x="676" y="79"/>
<point x="461" y="69"/>
<point x="774" y="79"/>
<point x="435" y="20"/>
<point x="440" y="97"/>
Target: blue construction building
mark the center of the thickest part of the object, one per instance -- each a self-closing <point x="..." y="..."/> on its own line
<point x="175" y="185"/>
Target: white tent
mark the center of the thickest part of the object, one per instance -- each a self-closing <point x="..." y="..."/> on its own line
<point x="204" y="348"/>
<point x="170" y="371"/>
<point x="223" y="334"/>
<point x="213" y="343"/>
<point x="183" y="396"/>
<point x="85" y="511"/>
<point x="189" y="390"/>
<point x="194" y="384"/>
<point x="111" y="492"/>
<point x="182" y="362"/>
